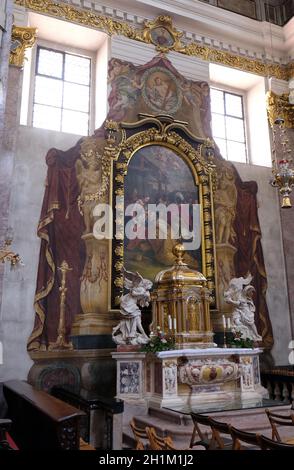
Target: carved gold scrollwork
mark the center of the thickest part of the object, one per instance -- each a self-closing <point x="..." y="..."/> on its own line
<point x="21" y="39"/>
<point x="95" y="158"/>
<point x="278" y="106"/>
<point x="151" y="33"/>
<point x="119" y="250"/>
<point x="119" y="282"/>
<point x="162" y="34"/>
<point x="290" y="70"/>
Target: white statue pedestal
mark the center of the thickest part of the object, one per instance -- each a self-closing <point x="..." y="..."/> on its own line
<point x="189" y="376"/>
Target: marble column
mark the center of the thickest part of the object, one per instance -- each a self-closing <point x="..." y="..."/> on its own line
<point x="6" y="108"/>
<point x="8" y="141"/>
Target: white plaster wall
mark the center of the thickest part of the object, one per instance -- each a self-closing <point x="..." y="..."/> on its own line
<point x="17" y="313"/>
<point x="140" y="53"/>
<point x="272" y="244"/>
<point x="101" y="75"/>
<point x="259" y="138"/>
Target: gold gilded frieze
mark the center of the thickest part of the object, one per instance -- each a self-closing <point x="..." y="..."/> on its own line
<point x="160" y="32"/>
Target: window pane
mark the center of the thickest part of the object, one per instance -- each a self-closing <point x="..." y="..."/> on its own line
<point x="75" y="122"/>
<point x="46" y="117"/>
<point x="234" y="105"/>
<point x="77" y="69"/>
<point x="221" y="143"/>
<point x="236" y="151"/>
<point x="50" y="63"/>
<point x="48" y="91"/>
<point x="76" y="97"/>
<point x="235" y="129"/>
<point x="218" y="125"/>
<point x="217" y="101"/>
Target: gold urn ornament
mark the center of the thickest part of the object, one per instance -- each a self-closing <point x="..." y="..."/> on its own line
<point x="181" y="304"/>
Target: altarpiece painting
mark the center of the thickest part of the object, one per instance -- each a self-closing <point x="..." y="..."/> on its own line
<point x="157" y="175"/>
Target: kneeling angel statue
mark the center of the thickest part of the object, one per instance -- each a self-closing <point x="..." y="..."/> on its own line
<point x="240" y="295"/>
<point x="130" y="330"/>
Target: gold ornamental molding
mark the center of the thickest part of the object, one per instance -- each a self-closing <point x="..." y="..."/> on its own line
<point x="159" y="32"/>
<point x="278" y="106"/>
<point x="162" y="34"/>
<point x="21" y="39"/>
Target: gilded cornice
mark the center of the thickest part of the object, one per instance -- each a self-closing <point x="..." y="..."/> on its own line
<point x="278" y="106"/>
<point x="116" y="27"/>
<point x="21" y="39"/>
<point x="290" y="70"/>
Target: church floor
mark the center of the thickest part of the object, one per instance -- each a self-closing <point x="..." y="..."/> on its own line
<point x="179" y="426"/>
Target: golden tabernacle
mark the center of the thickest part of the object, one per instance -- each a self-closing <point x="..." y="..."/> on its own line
<point x="181" y="304"/>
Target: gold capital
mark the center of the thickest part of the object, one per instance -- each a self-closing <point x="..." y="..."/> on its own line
<point x="278" y="106"/>
<point x="21" y="39"/>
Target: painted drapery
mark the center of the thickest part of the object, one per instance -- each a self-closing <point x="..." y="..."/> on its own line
<point x="154" y="88"/>
<point x="60" y="229"/>
<point x="249" y="257"/>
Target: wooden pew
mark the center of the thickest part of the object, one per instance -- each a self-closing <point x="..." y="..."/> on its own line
<point x="40" y="421"/>
<point x="5" y="425"/>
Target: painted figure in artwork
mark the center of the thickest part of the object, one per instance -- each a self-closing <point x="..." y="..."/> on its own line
<point x="160" y="91"/>
<point x="162" y="37"/>
<point x="225" y="208"/>
<point x="89" y="179"/>
<point x="130" y="331"/>
<point x="156" y="175"/>
<point x="240" y="295"/>
<point x="124" y="89"/>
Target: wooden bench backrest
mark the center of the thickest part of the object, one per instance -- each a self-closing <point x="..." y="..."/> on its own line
<point x="40" y="421"/>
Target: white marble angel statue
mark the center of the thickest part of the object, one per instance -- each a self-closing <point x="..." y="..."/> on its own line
<point x="130" y="329"/>
<point x="240" y="294"/>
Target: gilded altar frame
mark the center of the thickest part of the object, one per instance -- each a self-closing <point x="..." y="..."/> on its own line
<point x="197" y="152"/>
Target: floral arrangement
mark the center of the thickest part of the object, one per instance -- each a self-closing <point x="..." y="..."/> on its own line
<point x="159" y="342"/>
<point x="237" y="340"/>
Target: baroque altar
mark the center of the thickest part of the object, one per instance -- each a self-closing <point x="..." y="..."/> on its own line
<point x="190" y="376"/>
<point x="196" y="372"/>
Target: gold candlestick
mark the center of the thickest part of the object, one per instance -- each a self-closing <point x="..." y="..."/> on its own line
<point x="61" y="343"/>
<point x="6" y="253"/>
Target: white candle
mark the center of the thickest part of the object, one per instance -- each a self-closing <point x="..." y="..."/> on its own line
<point x="175" y="324"/>
<point x="228" y="323"/>
<point x="169" y="322"/>
<point x="224" y="321"/>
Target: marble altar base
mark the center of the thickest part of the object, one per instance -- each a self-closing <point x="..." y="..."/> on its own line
<point x="189" y="376"/>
